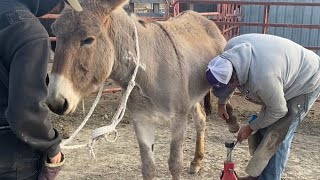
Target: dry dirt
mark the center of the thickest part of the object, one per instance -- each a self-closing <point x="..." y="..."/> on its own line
<point x="121" y="160"/>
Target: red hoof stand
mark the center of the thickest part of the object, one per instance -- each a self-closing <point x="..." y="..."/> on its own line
<point x="228" y="172"/>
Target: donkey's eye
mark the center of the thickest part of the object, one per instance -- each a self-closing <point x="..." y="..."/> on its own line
<point x="87" y="41"/>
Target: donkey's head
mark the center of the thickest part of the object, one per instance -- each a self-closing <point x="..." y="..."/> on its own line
<point x="84" y="56"/>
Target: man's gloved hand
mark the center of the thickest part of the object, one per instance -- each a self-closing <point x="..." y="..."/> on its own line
<point x="50" y="170"/>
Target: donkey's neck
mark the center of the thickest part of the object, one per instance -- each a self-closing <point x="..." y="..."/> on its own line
<point x="122" y="34"/>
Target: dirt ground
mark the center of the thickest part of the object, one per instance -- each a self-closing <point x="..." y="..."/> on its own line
<point x="121" y="160"/>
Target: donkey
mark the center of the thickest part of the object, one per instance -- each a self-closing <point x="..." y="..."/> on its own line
<point x="99" y="43"/>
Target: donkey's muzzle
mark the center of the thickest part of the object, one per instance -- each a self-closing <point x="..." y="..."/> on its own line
<point x="58" y="105"/>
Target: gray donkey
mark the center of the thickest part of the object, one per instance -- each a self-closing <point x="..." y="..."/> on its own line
<point x="99" y="43"/>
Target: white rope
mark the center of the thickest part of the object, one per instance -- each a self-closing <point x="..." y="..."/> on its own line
<point x="106" y="130"/>
<point x="76" y="132"/>
<point x="83" y="109"/>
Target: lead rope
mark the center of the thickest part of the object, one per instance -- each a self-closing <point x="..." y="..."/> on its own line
<point x="106" y="130"/>
<point x="76" y="132"/>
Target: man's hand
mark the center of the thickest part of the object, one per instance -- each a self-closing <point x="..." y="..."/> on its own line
<point x="222" y="111"/>
<point x="56" y="159"/>
<point x="50" y="170"/>
<point x="244" y="133"/>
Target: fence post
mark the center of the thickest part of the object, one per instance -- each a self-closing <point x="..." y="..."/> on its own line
<point x="156" y="8"/>
<point x="191" y="6"/>
<point x="266" y="19"/>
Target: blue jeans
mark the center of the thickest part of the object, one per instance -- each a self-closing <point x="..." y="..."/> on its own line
<point x="18" y="161"/>
<point x="277" y="163"/>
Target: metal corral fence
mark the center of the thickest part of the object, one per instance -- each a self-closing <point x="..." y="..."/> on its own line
<point x="225" y="14"/>
<point x="231" y="19"/>
<point x="228" y="15"/>
<point x="155" y="9"/>
<point x="289" y="15"/>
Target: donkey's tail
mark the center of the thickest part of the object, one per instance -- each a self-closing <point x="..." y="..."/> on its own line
<point x="207" y="103"/>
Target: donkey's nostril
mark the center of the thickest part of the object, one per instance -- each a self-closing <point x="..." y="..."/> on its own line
<point x="65" y="105"/>
<point x="58" y="105"/>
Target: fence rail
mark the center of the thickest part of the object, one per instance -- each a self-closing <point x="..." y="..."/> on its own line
<point x="226" y="23"/>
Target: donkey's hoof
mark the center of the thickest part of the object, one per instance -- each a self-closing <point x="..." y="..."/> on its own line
<point x="194" y="168"/>
<point x="233" y="125"/>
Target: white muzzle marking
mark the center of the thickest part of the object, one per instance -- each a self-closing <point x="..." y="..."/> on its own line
<point x="60" y="86"/>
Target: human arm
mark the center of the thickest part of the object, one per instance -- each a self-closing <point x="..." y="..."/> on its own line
<point x="222" y="111"/>
<point x="223" y="95"/>
<point x="27" y="113"/>
<point x="270" y="91"/>
<point x="244" y="133"/>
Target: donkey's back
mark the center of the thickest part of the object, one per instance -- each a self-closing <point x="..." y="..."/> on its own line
<point x="177" y="52"/>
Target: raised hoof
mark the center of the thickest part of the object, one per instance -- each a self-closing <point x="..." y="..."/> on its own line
<point x="194" y="168"/>
<point x="232" y="122"/>
<point x="233" y="125"/>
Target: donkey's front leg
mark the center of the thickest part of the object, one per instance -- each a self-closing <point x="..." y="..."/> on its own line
<point x="145" y="132"/>
<point x="178" y="128"/>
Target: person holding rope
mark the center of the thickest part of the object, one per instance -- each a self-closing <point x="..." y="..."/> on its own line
<point x="281" y="76"/>
<point x="26" y="133"/>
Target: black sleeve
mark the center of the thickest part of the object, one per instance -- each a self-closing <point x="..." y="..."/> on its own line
<point x="27" y="113"/>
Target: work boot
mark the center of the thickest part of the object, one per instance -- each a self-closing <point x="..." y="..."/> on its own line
<point x="232" y="122"/>
<point x="248" y="178"/>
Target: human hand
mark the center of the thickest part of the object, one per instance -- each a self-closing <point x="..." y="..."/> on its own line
<point x="56" y="159"/>
<point x="222" y="111"/>
<point x="51" y="167"/>
<point x="244" y="133"/>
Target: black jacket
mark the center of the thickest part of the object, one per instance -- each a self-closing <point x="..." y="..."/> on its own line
<point x="24" y="51"/>
<point x="36" y="7"/>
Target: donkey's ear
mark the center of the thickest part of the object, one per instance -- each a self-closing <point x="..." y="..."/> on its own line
<point x="113" y="4"/>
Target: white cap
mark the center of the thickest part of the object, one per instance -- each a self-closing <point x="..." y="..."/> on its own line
<point x="221" y="69"/>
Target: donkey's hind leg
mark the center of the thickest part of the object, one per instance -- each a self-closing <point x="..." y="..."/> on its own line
<point x="145" y="131"/>
<point x="199" y="119"/>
